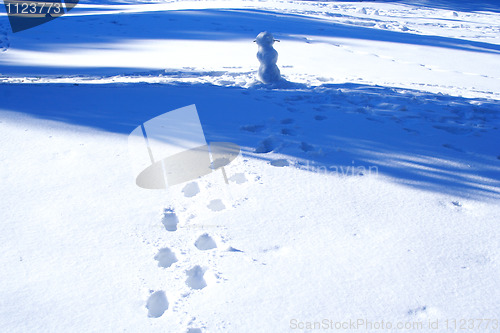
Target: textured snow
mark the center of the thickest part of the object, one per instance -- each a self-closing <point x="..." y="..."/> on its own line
<point x="368" y="185"/>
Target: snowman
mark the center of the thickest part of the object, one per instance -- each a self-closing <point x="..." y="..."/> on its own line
<point x="268" y="56"/>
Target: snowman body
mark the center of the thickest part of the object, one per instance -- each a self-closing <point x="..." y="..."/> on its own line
<point x="268" y="57"/>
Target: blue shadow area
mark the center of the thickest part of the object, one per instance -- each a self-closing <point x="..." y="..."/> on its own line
<point x="213" y="24"/>
<point x="458" y="5"/>
<point x="223" y="24"/>
<point x="429" y="141"/>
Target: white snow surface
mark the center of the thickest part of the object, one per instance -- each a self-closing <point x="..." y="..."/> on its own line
<point x="367" y="188"/>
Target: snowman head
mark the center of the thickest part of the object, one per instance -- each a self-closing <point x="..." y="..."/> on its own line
<point x="265" y="39"/>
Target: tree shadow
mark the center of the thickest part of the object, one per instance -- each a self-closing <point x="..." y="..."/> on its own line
<point x="458" y="5"/>
<point x="73" y="34"/>
<point x="429" y="141"/>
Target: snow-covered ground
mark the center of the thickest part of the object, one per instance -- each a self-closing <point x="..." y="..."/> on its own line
<point x="367" y="189"/>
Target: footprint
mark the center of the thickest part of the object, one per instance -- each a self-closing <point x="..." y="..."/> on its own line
<point x="195" y="278"/>
<point x="280" y="163"/>
<point x="216" y="205"/>
<point x="287" y="121"/>
<point x="374" y="119"/>
<point x="205" y="242"/>
<point x="452" y="147"/>
<point x="157" y="304"/>
<point x="170" y="219"/>
<point x="409" y="130"/>
<point x="417" y="311"/>
<point x="232" y="249"/>
<point x="452" y="129"/>
<point x="266" y="146"/>
<point x="194" y="330"/>
<point x="191" y="189"/>
<point x="252" y="128"/>
<point x="287" y="131"/>
<point x="238" y="178"/>
<point x="165" y="258"/>
<point x="306" y="147"/>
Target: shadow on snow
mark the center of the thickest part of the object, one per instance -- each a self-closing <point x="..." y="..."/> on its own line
<point x="429" y="141"/>
<point x="215" y="24"/>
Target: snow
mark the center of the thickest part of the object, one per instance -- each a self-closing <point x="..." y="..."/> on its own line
<point x="165" y="258"/>
<point x="367" y="186"/>
<point x="157" y="304"/>
<point x="205" y="242"/>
